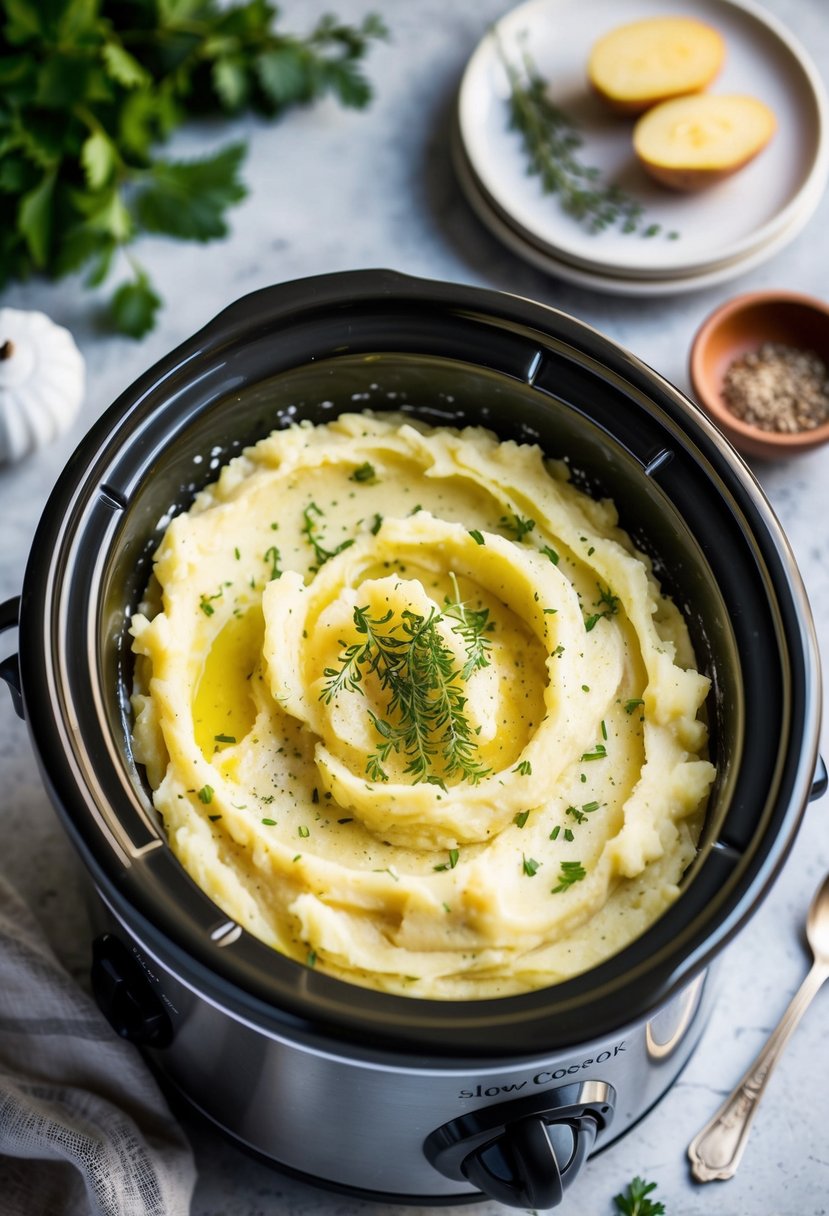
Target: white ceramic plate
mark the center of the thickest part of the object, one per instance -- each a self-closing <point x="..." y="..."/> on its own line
<point x="614" y="284"/>
<point x="734" y="218"/>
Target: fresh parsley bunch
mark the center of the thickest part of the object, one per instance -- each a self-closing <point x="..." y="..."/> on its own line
<point x="90" y="88"/>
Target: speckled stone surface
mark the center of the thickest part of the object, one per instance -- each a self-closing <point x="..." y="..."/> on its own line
<point x="331" y="190"/>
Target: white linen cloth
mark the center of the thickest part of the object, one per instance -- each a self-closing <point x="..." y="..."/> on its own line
<point x="84" y="1129"/>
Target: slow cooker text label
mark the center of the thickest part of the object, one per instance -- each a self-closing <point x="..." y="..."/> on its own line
<point x="545" y="1077"/>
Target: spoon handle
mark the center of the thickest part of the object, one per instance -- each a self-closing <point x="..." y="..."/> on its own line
<point x="715" y="1152"/>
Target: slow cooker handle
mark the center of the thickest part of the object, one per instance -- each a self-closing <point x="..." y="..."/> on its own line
<point x="10" y="667"/>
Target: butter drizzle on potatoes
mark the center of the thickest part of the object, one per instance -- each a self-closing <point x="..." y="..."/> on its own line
<point x="567" y="829"/>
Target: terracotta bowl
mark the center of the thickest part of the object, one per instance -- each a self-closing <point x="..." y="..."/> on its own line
<point x="741" y="325"/>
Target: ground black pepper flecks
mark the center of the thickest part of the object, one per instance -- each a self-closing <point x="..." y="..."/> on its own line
<point x="778" y="388"/>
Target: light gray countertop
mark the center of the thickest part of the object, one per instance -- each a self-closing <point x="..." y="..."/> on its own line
<point x="332" y="189"/>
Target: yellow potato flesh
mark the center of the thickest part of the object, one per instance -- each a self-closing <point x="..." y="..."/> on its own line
<point x="637" y="65"/>
<point x="692" y="142"/>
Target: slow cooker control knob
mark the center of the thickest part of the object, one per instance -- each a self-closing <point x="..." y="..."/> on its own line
<point x="524" y="1153"/>
<point x="525" y="1166"/>
<point x="125" y="995"/>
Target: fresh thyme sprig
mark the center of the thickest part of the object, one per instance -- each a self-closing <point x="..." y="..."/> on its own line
<point x="472" y="625"/>
<point x="426" y="712"/>
<point x="551" y="143"/>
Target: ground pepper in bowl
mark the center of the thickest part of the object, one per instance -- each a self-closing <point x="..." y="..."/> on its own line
<point x="778" y="388"/>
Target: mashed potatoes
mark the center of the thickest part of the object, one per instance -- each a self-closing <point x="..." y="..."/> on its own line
<point x="415" y="712"/>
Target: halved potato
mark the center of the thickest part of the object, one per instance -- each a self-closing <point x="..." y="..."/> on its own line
<point x="693" y="142"/>
<point x="636" y="66"/>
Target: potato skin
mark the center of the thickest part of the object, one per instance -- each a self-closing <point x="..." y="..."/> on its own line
<point x="688" y="181"/>
<point x="691" y="143"/>
<point x="643" y="63"/>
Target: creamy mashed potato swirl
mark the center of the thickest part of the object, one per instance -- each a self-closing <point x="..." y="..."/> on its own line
<point x="527" y="805"/>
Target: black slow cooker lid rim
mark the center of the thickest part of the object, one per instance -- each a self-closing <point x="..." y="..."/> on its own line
<point x="624" y="364"/>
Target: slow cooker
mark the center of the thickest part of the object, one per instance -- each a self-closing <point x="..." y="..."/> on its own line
<point x="399" y="1098"/>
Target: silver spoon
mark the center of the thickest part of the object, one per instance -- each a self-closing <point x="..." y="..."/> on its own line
<point x="717" y="1150"/>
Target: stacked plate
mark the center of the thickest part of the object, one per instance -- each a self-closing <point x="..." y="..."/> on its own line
<point x="695" y="240"/>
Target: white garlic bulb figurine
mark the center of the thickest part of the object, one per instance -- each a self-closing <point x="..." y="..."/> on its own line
<point x="42" y="379"/>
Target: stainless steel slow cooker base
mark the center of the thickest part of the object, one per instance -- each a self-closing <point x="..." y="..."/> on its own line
<point x="391" y="1126"/>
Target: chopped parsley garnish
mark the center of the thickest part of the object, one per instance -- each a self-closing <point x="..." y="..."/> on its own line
<point x="608" y="605"/>
<point x="555" y="832"/>
<point x="272" y="555"/>
<point x="303" y="831"/>
<point x="225" y="738"/>
<point x="517" y="525"/>
<point x="529" y="865"/>
<point x="599" y="753"/>
<point x="377" y="524"/>
<point x="521" y="818"/>
<point x="551" y="553"/>
<point x="311" y="534"/>
<point x="205" y="604"/>
<point x="454" y="855"/>
<point x="570" y="872"/>
<point x="364" y="473"/>
<point x="269" y="823"/>
<point x="524" y="767"/>
<point x="632" y="704"/>
<point x="477" y="536"/>
<point x="206" y="794"/>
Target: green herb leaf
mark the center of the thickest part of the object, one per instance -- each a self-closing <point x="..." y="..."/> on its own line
<point x="635" y="1202"/>
<point x="529" y="865"/>
<point x="570" y="872"/>
<point x="364" y="473"/>
<point x="310" y="530"/>
<point x="34" y="219"/>
<point x="134" y="306"/>
<point x="99" y="158"/>
<point x="472" y="625"/>
<point x="188" y="199"/>
<point x="518" y="526"/>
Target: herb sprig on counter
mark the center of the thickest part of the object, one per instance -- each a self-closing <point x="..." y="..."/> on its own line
<point x="89" y="88"/>
<point x="552" y="143"/>
<point x="425" y="716"/>
<point x="634" y="1200"/>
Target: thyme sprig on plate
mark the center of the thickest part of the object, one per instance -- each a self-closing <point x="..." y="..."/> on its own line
<point x="425" y="717"/>
<point x="552" y="143"/>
